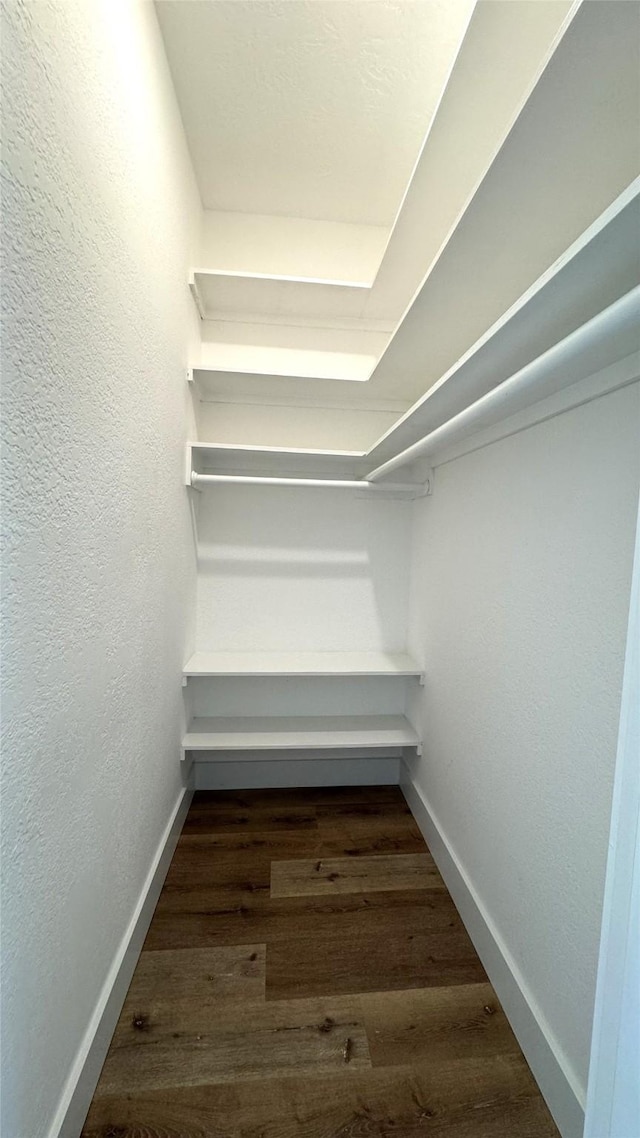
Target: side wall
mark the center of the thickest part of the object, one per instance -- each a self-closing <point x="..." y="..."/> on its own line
<point x="99" y="208"/>
<point x="519" y="601"/>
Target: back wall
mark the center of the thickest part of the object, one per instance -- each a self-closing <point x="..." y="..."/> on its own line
<point x="284" y="569"/>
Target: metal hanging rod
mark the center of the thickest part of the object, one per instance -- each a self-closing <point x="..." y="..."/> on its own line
<point x="613" y="326"/>
<point x="415" y="488"/>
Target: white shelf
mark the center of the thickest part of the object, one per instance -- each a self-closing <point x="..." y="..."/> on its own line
<point x="215" y="293"/>
<point x="225" y="458"/>
<point x="373" y="732"/>
<point x="301" y="664"/>
<point x="287" y="363"/>
<point x="244" y="449"/>
<point x="597" y="269"/>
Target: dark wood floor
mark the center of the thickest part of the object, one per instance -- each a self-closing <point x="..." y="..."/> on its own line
<point x="306" y="975"/>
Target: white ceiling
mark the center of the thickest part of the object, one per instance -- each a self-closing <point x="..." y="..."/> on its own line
<point x="309" y="108"/>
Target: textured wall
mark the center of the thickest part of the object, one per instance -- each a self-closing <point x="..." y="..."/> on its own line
<point x="98" y="567"/>
<point x="520" y="591"/>
<point x="300" y="570"/>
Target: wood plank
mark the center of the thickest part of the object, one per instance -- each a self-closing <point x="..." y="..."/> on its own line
<point x="424" y="1025"/>
<point x="220" y="974"/>
<point x="355" y="841"/>
<point x="187" y="1014"/>
<point x="339" y="962"/>
<point x="204" y="852"/>
<point x="385" y="872"/>
<point x="243" y="859"/>
<point x="356" y="829"/>
<point x="363" y="811"/>
<point x="208" y="819"/>
<point x="203" y="917"/>
<point x="471" y="1098"/>
<point x="159" y="1056"/>
<point x="402" y="1027"/>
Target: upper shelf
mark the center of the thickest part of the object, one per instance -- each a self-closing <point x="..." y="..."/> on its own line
<point x="218" y="292"/>
<point x="301" y="664"/>
<point x="229" y="458"/>
<point x="598" y="268"/>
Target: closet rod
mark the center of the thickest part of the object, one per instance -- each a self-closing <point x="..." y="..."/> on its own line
<point x="620" y="317"/>
<point x="323" y="483"/>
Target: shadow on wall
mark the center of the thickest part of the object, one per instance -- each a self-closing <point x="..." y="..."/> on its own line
<point x="301" y="569"/>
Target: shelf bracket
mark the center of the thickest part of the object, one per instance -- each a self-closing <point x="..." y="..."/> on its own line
<point x="193" y="285"/>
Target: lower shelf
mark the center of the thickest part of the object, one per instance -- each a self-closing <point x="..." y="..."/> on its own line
<point x="373" y="732"/>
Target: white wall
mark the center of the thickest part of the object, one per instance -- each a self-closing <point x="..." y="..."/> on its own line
<point x="291" y="246"/>
<point x="319" y="428"/>
<point x="520" y="591"/>
<point x="295" y="569"/>
<point x="99" y="567"/>
<point x="613" y="1103"/>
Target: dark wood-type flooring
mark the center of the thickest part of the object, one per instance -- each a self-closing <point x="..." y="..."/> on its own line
<point x="306" y="975"/>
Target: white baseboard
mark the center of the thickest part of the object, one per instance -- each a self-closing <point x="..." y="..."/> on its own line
<point x="539" y="1047"/>
<point x="257" y="774"/>
<point x="82" y="1080"/>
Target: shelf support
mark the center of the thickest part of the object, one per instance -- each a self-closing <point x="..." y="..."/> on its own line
<point x="195" y="292"/>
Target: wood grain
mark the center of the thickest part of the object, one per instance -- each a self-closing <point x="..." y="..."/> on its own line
<point x="343" y="839"/>
<point x="206" y="917"/>
<point x="306" y="975"/>
<point x="211" y="819"/>
<point x="428" y="1024"/>
<point x="219" y="974"/>
<point x="402" y="1027"/>
<point x="339" y="960"/>
<point x="474" y="1098"/>
<point x="168" y="1058"/>
<point x="383" y="873"/>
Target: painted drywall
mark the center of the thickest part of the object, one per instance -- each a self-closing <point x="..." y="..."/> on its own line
<point x="98" y="554"/>
<point x="321" y="771"/>
<point x="519" y="598"/>
<point x="613" y="1103"/>
<point x="237" y="347"/>
<point x="503" y="51"/>
<point x="300" y="570"/>
<point x="291" y="246"/>
<point x="324" y="106"/>
<point x="323" y="428"/>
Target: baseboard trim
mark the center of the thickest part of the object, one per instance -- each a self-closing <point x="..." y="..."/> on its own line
<point x="539" y="1047"/>
<point x="81" y="1083"/>
<point x="245" y="774"/>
